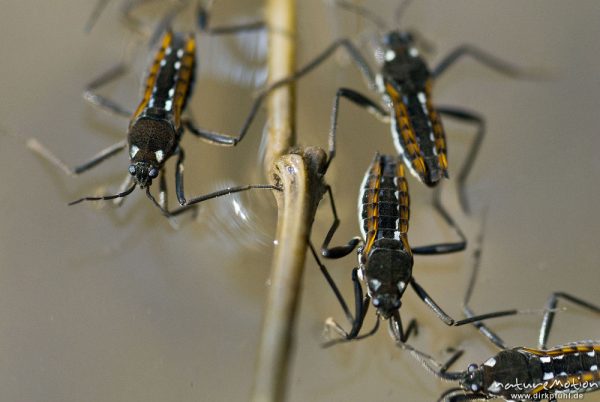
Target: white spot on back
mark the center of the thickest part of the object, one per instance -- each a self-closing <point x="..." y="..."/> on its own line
<point x="177" y="65"/>
<point x="422" y="97"/>
<point x="180" y="53"/>
<point x="413" y="52"/>
<point x="401" y="286"/>
<point x="545" y="359"/>
<point x="548" y="376"/>
<point x="168" y="105"/>
<point x="594" y="368"/>
<point x="375" y="284"/>
<point x="168" y="51"/>
<point x="159" y="155"/>
<point x="390" y="55"/>
<point x="495" y="387"/>
<point x="591" y="354"/>
<point x="133" y="151"/>
<point x="491" y="362"/>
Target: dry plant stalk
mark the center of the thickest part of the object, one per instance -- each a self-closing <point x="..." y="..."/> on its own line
<point x="299" y="174"/>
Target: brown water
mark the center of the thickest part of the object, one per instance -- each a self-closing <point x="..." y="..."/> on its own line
<point x="115" y="305"/>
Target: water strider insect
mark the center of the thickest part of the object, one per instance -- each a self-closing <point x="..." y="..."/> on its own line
<point x="157" y="125"/>
<point x="404" y="84"/>
<point x="522" y="373"/>
<point x="385" y="258"/>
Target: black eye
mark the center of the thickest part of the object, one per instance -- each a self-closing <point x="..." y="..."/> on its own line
<point x="153" y="173"/>
<point x="376" y="302"/>
<point x="472" y="368"/>
<point x="132" y="169"/>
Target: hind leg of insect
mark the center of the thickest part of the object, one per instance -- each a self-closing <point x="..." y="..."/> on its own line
<point x="102" y="102"/>
<point x="551" y="304"/>
<point x="358" y="99"/>
<point x="479" y="122"/>
<point x="443" y="248"/>
<point x="482" y="57"/>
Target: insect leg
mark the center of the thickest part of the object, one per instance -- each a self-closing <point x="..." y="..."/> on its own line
<point x="352" y="51"/>
<point x="102" y="102"/>
<point x="449" y="320"/>
<point x="224" y="139"/>
<point x="551" y="310"/>
<point x="479" y="121"/>
<point x="124" y="185"/>
<point x="179" y="177"/>
<point x="358" y="99"/>
<point x="163" y="196"/>
<point x="483" y="328"/>
<point x="443" y="248"/>
<point x="483" y="57"/>
<point x="100" y="157"/>
<point x="339" y="251"/>
<point x="398" y="332"/>
<point x="361" y="305"/>
<point x="228" y="140"/>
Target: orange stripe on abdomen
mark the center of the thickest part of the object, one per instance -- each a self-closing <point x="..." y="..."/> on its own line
<point x="153" y="74"/>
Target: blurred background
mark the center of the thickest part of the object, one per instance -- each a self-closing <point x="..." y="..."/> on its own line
<point x="105" y="304"/>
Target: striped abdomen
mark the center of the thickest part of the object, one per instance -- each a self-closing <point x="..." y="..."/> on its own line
<point x="169" y="80"/>
<point x="569" y="368"/>
<point x="418" y="133"/>
<point x="384" y="202"/>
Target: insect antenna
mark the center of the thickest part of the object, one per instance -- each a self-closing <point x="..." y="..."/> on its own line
<point x="363" y="12"/>
<point x="400" y="11"/>
<point x="106" y="197"/>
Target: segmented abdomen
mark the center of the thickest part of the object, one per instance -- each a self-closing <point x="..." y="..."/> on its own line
<point x="170" y="79"/>
<point x="383" y="203"/>
<point x="418" y="133"/>
<point x="568" y="368"/>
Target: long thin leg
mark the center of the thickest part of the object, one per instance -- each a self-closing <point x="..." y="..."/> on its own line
<point x="106" y="197"/>
<point x="483" y="328"/>
<point x="352" y="51"/>
<point x="443" y="248"/>
<point x="224" y="139"/>
<point x="358" y="99"/>
<point x="202" y="16"/>
<point x="98" y="9"/>
<point x="479" y="121"/>
<point x="332" y="284"/>
<point x="124" y="185"/>
<point x="102" y="102"/>
<point x="339" y="251"/>
<point x="396" y="330"/>
<point x="551" y="310"/>
<point x="230" y="190"/>
<point x="483" y="57"/>
<point x="100" y="157"/>
<point x="361" y="305"/>
<point x="228" y="140"/>
<point x="449" y="320"/>
<point x="179" y="177"/>
<point x="163" y="196"/>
